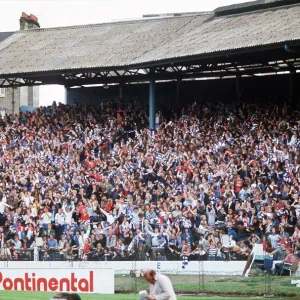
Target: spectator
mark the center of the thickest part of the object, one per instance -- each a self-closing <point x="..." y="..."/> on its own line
<point x="89" y="175"/>
<point x="288" y="260"/>
<point x="268" y="260"/>
<point x="280" y="253"/>
<point x="62" y="247"/>
<point x="111" y="239"/>
<point x="17" y="243"/>
<point x="5" y="253"/>
<point x="52" y="247"/>
<point x="46" y="256"/>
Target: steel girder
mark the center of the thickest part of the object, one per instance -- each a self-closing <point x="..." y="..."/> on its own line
<point x="216" y="68"/>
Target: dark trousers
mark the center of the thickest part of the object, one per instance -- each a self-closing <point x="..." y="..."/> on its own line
<point x="52" y="255"/>
<point x="59" y="231"/>
<point x="1" y="219"/>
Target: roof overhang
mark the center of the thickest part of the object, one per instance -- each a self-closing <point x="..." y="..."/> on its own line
<point x="275" y="58"/>
<point x="165" y="48"/>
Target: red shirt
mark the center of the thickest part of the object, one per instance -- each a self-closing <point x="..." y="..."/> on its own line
<point x="289" y="258"/>
<point x="238" y="185"/>
<point x="81" y="207"/>
<point x="287" y="244"/>
<point x="85" y="217"/>
<point x="109" y="207"/>
<point x="264" y="244"/>
<point x="86" y="248"/>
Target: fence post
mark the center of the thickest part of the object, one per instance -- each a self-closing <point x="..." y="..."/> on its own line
<point x="267" y="284"/>
<point x="201" y="276"/>
<point x="134" y="277"/>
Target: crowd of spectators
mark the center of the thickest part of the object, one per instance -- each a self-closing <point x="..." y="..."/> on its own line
<point x="94" y="183"/>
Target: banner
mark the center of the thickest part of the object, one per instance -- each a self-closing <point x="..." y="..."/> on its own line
<point x="73" y="280"/>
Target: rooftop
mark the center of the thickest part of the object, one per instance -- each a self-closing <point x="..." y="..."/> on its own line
<point x="120" y="45"/>
<point x="5" y="35"/>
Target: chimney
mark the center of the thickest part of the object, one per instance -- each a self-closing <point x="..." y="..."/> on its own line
<point x="28" y="22"/>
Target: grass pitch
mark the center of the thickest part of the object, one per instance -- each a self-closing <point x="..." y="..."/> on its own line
<point x="10" y="295"/>
<point x="227" y="288"/>
<point x="279" y="286"/>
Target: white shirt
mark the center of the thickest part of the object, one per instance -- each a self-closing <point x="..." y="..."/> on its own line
<point x="5" y="252"/>
<point x="154" y="238"/>
<point x="18" y="244"/>
<point x="3" y="205"/>
<point x="82" y="238"/>
<point x="60" y="219"/>
<point x="68" y="216"/>
<point x="230" y="244"/>
<point x="125" y="226"/>
<point x="162" y="289"/>
<point x="46" y="218"/>
<point x="28" y="200"/>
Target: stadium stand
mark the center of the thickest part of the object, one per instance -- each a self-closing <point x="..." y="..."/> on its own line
<point x="205" y="181"/>
<point x="86" y="183"/>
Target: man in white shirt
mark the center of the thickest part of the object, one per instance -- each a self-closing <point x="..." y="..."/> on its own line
<point x="45" y="218"/>
<point x="160" y="286"/>
<point x="2" y="209"/>
<point x="68" y="212"/>
<point x="60" y="223"/>
<point x="60" y="217"/>
<point x="154" y="235"/>
<point x="17" y="243"/>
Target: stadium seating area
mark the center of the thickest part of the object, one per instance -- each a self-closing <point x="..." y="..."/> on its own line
<point x="94" y="183"/>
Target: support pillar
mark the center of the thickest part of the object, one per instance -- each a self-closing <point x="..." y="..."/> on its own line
<point x="237" y="87"/>
<point x="178" y="91"/>
<point x="291" y="92"/>
<point x="152" y="104"/>
<point x="121" y="91"/>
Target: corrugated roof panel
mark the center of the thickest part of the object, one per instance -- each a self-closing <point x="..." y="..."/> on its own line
<point x="129" y="43"/>
<point x="233" y="32"/>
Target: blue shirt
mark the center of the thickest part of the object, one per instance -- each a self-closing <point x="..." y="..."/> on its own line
<point x="52" y="243"/>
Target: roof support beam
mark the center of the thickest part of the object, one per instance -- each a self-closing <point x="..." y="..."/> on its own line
<point x="18" y="82"/>
<point x="231" y="65"/>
